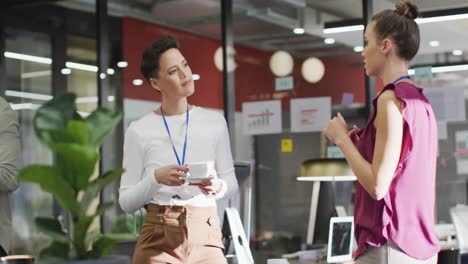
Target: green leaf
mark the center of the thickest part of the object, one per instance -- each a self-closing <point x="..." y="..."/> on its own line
<point x="76" y="162"/>
<point x="78" y="130"/>
<point x="100" y="123"/>
<point x="96" y="186"/>
<point x="56" y="250"/>
<point x="52" y="227"/>
<point x="51" y="181"/>
<point x="55" y="114"/>
<point x="54" y="136"/>
<point x="102" y="246"/>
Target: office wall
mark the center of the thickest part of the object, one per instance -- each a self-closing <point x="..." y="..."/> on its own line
<point x="253" y="78"/>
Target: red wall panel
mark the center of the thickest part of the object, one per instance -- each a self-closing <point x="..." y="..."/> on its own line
<point x="137" y="35"/>
<point x="253" y="78"/>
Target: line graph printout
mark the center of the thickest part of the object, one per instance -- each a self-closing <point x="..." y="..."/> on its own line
<point x="310" y="114"/>
<point x="263" y="117"/>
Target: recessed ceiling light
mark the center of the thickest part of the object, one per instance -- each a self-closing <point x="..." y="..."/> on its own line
<point x="122" y="64"/>
<point x="25" y="57"/>
<point x="343" y="29"/>
<point x="329" y="41"/>
<point x="81" y="66"/>
<point x="358" y="49"/>
<point x="450" y="68"/>
<point x="196" y="77"/>
<point x="137" y="82"/>
<point x="434" y="43"/>
<point x="457" y="52"/>
<point x="26" y="95"/>
<point x="110" y="71"/>
<point x="441" y="18"/>
<point x="65" y="71"/>
<point x="298" y="31"/>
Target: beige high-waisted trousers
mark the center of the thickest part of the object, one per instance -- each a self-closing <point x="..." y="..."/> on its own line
<point x="390" y="254"/>
<point x="180" y="234"/>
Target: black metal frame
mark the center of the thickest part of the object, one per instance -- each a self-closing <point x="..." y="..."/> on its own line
<point x="3" y="75"/>
<point x="228" y="77"/>
<point x="370" y="83"/>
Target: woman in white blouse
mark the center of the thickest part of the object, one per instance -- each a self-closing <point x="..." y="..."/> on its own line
<point x="181" y="223"/>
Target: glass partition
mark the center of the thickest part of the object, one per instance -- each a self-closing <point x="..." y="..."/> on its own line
<point x="29" y="85"/>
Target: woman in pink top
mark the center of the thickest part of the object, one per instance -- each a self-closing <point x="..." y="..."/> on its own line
<point x="394" y="156"/>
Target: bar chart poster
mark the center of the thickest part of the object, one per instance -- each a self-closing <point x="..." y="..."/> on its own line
<point x="310" y="114"/>
<point x="262" y="117"/>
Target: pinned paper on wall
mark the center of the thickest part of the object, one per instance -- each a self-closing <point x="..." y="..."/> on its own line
<point x="347" y="99"/>
<point x="461" y="151"/>
<point x="334" y="152"/>
<point x="286" y="145"/>
<point x="310" y="114"/>
<point x="263" y="117"/>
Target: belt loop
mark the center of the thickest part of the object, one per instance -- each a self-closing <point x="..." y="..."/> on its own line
<point x="166" y="209"/>
<point x="162" y="219"/>
<point x="182" y="216"/>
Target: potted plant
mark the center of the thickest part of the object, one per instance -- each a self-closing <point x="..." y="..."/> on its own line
<point x="75" y="142"/>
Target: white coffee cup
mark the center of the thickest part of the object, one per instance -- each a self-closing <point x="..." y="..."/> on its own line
<point x="197" y="170"/>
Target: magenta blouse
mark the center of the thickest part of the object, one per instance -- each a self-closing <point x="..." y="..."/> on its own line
<point x="406" y="214"/>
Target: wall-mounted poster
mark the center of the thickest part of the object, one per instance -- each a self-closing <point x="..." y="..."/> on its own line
<point x="461" y="141"/>
<point x="310" y="114"/>
<point x="458" y="139"/>
<point x="263" y="117"/>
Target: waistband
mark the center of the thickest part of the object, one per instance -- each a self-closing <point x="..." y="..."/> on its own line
<point x="152" y="208"/>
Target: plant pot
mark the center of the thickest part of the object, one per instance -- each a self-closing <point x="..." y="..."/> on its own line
<point x="114" y="259"/>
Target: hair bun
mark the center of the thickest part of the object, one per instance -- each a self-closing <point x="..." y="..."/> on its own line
<point x="407" y="9"/>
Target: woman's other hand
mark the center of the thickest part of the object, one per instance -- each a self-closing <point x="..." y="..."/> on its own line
<point x="336" y="129"/>
<point x="209" y="187"/>
<point x="353" y="134"/>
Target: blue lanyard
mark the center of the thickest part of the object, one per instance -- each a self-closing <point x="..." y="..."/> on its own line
<point x="401" y="78"/>
<point x="170" y="137"/>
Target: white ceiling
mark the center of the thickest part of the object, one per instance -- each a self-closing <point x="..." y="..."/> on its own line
<point x="451" y="34"/>
<point x="268" y="24"/>
<point x="353" y="8"/>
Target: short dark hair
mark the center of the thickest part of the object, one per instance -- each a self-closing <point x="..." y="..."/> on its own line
<point x="150" y="59"/>
<point x="399" y="25"/>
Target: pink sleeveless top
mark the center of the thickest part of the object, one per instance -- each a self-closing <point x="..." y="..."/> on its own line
<point x="406" y="214"/>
